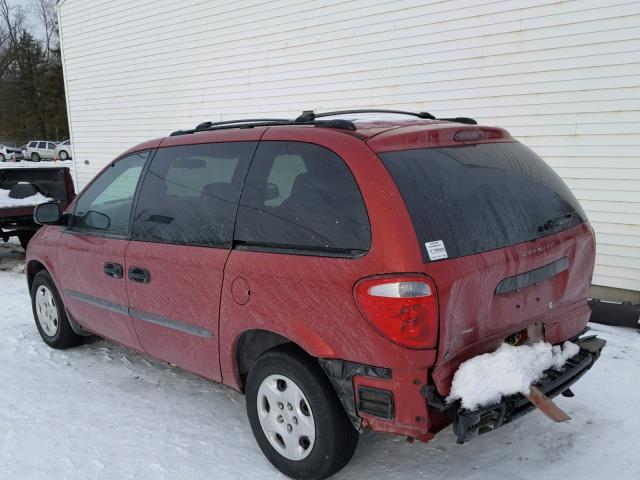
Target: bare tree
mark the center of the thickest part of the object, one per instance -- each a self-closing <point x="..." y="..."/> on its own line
<point x="46" y="11"/>
<point x="11" y="23"/>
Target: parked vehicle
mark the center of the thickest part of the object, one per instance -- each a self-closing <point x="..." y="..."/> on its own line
<point x="10" y="154"/>
<point x="22" y="187"/>
<point x="335" y="271"/>
<point x="40" y="150"/>
<point x="63" y="151"/>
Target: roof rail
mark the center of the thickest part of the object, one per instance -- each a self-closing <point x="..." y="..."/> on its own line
<point x="310" y="115"/>
<point x="204" y="127"/>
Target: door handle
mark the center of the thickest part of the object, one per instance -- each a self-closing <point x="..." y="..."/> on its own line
<point x="113" y="269"/>
<point x="140" y="275"/>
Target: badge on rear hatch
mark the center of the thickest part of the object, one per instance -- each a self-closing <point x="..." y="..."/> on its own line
<point x="436" y="250"/>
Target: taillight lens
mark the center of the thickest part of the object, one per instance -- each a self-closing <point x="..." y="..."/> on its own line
<point x="404" y="308"/>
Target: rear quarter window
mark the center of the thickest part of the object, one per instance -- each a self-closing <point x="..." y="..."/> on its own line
<point x="475" y="198"/>
<point x="302" y="198"/>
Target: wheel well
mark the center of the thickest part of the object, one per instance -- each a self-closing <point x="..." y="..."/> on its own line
<point x="32" y="269"/>
<point x="254" y="343"/>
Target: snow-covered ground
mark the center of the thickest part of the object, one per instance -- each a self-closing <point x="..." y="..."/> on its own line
<point x="101" y="411"/>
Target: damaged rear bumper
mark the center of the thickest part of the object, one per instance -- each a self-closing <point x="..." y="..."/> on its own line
<point x="468" y="424"/>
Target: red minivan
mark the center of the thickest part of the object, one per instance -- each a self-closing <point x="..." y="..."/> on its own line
<point x="336" y="271"/>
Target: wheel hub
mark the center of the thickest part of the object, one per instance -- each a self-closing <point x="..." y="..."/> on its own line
<point x="286" y="417"/>
<point x="46" y="311"/>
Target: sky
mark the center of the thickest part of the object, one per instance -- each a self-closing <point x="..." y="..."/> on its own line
<point x="27" y="5"/>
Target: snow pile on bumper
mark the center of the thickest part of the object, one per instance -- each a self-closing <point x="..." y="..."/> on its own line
<point x="483" y="380"/>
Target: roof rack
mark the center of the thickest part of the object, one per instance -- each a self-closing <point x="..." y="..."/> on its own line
<point x="208" y="126"/>
<point x="309" y="115"/>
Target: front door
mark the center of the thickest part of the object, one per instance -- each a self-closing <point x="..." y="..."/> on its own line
<point x="181" y="237"/>
<point x="91" y="253"/>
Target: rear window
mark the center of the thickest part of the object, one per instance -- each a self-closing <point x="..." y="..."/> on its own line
<point x="472" y="199"/>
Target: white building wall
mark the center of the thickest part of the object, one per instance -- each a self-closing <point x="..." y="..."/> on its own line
<point x="562" y="76"/>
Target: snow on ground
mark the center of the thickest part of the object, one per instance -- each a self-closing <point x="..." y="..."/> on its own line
<point x="101" y="411"/>
<point x="483" y="380"/>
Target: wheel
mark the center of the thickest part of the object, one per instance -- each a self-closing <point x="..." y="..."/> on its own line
<point x="35" y="157"/>
<point x="296" y="416"/>
<point x="64" y="155"/>
<point x="49" y="314"/>
<point x="2" y="157"/>
<point x="24" y="237"/>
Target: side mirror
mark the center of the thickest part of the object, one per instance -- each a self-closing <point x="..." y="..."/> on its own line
<point x="271" y="191"/>
<point x="47" y="214"/>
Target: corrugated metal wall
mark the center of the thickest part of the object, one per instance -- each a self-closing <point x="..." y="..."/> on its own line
<point x="562" y="76"/>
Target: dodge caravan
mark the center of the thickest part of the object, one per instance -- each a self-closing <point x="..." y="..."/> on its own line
<point x="337" y="271"/>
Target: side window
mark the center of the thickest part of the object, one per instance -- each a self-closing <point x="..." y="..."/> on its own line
<point x="42" y="145"/>
<point x="303" y="197"/>
<point x="105" y="206"/>
<point x="51" y="146"/>
<point x="33" y="144"/>
<point x="190" y="194"/>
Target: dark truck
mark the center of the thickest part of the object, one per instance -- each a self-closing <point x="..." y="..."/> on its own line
<point x="22" y="187"/>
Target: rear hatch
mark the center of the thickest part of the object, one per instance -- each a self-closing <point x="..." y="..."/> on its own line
<point x="505" y="241"/>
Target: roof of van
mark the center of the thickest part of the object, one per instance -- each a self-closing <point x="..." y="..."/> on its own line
<point x="380" y="135"/>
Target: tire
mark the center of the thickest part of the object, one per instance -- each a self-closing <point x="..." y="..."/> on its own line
<point x="24" y="237"/>
<point x="326" y="438"/>
<point x="2" y="158"/>
<point x="63" y="155"/>
<point x="35" y="157"/>
<point x="49" y="314"/>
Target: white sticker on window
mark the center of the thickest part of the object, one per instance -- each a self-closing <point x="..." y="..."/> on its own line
<point x="436" y="250"/>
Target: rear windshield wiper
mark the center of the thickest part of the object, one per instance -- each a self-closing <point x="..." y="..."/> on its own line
<point x="557" y="221"/>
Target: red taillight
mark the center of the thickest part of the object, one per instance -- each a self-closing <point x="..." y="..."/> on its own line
<point x="403" y="308"/>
